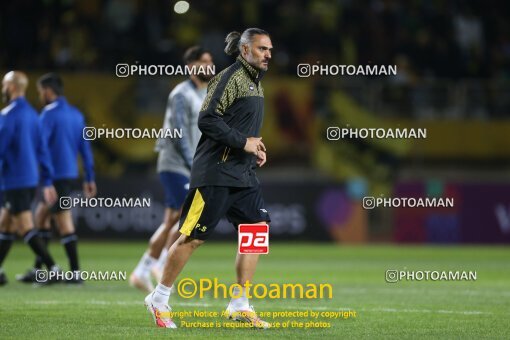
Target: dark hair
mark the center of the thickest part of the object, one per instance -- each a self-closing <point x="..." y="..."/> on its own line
<point x="235" y="39"/>
<point x="193" y="53"/>
<point x="52" y="81"/>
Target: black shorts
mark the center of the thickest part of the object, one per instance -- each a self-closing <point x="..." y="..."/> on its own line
<point x="63" y="187"/>
<point x="205" y="206"/>
<point x="18" y="200"/>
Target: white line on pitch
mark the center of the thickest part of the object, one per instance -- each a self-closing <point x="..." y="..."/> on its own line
<point x="324" y="308"/>
<point x="108" y="303"/>
<point x="441" y="311"/>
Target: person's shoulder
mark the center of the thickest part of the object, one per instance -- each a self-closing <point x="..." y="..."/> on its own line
<point x="230" y="71"/>
<point x="21" y="111"/>
<point x="182" y="86"/>
<point x="50" y="108"/>
<point x="9" y="109"/>
<point x="27" y="107"/>
<point x="226" y="76"/>
<point x="181" y="89"/>
<point x="70" y="110"/>
<point x="75" y="110"/>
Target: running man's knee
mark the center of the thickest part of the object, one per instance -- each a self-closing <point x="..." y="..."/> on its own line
<point x="6" y="225"/>
<point x="65" y="223"/>
<point x="42" y="216"/>
<point x="23" y="222"/>
<point x="171" y="217"/>
<point x="185" y="240"/>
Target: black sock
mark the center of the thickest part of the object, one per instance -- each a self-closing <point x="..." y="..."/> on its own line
<point x="37" y="245"/>
<point x="6" y="240"/>
<point x="70" y="242"/>
<point x="45" y="236"/>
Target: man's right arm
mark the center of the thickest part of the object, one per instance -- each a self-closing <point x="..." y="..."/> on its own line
<point x="178" y="110"/>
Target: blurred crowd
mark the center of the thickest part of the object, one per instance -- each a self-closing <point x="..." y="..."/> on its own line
<point x="425" y="38"/>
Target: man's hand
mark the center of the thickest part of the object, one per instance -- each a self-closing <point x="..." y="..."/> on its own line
<point x="50" y="195"/>
<point x="89" y="189"/>
<point x="261" y="158"/>
<point x="254" y="145"/>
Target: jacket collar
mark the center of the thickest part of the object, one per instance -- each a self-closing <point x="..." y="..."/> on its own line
<point x="20" y="99"/>
<point x="255" y="74"/>
<point x="61" y="100"/>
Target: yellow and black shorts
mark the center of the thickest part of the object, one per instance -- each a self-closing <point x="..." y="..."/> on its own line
<point x="205" y="206"/>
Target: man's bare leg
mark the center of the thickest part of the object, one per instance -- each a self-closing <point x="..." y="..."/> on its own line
<point x="43" y="225"/>
<point x="245" y="269"/>
<point x="178" y="256"/>
<point x="159" y="238"/>
<point x="6" y="225"/>
<point x="7" y="237"/>
<point x="68" y="238"/>
<point x="25" y="227"/>
<point x="239" y="307"/>
<point x="157" y="301"/>
<point x="246" y="264"/>
<point x="65" y="225"/>
<point x="157" y="269"/>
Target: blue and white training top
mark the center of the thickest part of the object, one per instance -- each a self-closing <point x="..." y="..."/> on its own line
<point x="63" y="126"/>
<point x="23" y="149"/>
<point x="183" y="107"/>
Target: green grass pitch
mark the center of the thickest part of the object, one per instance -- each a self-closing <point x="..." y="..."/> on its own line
<point x="425" y="309"/>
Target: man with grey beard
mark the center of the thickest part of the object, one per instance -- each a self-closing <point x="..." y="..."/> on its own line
<point x="223" y="179"/>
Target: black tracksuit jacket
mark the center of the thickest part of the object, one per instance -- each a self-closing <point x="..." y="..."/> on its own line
<point x="232" y="111"/>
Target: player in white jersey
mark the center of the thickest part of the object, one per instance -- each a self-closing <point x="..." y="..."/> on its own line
<point x="174" y="162"/>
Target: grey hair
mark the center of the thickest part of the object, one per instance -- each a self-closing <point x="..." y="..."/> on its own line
<point x="235" y="39"/>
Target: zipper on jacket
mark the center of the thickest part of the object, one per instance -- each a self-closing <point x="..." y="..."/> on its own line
<point x="226" y="152"/>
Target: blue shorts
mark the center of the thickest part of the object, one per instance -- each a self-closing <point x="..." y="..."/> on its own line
<point x="176" y="187"/>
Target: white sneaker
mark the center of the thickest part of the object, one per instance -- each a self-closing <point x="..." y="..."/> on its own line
<point x="246" y="315"/>
<point x="144" y="284"/>
<point x="160" y="313"/>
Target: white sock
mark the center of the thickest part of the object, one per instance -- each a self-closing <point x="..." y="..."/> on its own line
<point x="144" y="266"/>
<point x="162" y="259"/>
<point x="240" y="303"/>
<point x="161" y="294"/>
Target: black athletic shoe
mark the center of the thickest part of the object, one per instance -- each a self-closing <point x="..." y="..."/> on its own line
<point x="3" y="278"/>
<point x="75" y="280"/>
<point x="46" y="278"/>
<point x="28" y="277"/>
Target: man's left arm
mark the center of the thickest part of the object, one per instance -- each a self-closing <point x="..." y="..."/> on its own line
<point x="43" y="156"/>
<point x="89" y="186"/>
<point x="47" y="171"/>
<point x="6" y="132"/>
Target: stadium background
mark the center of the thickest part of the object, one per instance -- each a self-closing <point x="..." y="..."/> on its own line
<point x="453" y="71"/>
<point x="453" y="62"/>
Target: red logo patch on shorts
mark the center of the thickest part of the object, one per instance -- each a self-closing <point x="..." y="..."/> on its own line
<point x="253" y="238"/>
